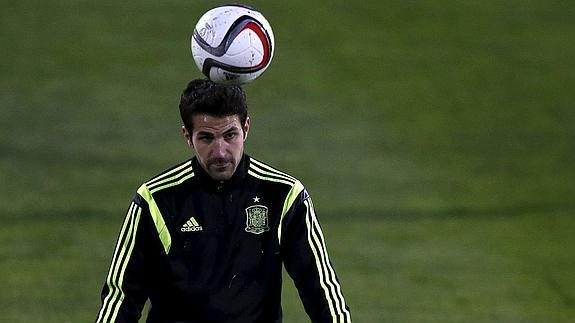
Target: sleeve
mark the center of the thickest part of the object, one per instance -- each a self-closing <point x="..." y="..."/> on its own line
<point x="307" y="262"/>
<point x="125" y="290"/>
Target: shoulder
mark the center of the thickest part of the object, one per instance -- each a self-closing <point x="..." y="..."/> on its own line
<point x="265" y="172"/>
<point x="172" y="176"/>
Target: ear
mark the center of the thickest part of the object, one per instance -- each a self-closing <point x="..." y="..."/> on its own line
<point x="187" y="136"/>
<point x="246" y="128"/>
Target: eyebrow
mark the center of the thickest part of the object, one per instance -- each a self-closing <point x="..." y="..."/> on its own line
<point x="232" y="129"/>
<point x="207" y="133"/>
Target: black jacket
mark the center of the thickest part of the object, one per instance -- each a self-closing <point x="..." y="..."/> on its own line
<point x="205" y="251"/>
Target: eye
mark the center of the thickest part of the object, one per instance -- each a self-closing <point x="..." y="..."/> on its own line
<point x="205" y="138"/>
<point x="230" y="135"/>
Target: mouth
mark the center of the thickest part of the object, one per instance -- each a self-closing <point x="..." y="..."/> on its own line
<point x="221" y="164"/>
<point x="220" y="169"/>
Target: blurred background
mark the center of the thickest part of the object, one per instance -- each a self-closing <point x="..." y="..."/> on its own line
<point x="436" y="137"/>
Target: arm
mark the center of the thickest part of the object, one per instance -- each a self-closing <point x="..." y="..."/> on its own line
<point x="306" y="261"/>
<point x="125" y="291"/>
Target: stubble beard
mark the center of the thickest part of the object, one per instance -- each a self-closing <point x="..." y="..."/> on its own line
<point x="221" y="169"/>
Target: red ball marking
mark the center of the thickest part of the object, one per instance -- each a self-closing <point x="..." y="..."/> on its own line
<point x="264" y="40"/>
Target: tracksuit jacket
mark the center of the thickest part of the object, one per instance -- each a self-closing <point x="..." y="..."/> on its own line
<point x="207" y="251"/>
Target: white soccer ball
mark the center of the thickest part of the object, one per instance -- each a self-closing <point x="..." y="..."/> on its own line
<point x="232" y="44"/>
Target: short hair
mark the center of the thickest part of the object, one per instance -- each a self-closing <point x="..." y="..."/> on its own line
<point x="205" y="96"/>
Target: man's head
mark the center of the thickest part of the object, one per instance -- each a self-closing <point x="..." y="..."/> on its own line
<point x="216" y="124"/>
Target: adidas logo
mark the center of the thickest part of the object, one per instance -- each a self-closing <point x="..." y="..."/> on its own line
<point x="191" y="225"/>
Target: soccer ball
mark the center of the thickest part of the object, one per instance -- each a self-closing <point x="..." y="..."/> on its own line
<point x="232" y="44"/>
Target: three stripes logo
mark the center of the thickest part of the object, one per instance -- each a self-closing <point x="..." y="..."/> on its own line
<point x="191" y="225"/>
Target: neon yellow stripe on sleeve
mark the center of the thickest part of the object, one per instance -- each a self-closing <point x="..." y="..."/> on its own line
<point x="163" y="232"/>
<point x="290" y="199"/>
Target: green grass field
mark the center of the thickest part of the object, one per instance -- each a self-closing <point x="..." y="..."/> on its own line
<point x="436" y="137"/>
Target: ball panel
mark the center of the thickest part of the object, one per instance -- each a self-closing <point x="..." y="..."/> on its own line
<point x="241" y="43"/>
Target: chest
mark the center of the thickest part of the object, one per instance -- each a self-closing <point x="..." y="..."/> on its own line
<point x="230" y="213"/>
<point x="216" y="225"/>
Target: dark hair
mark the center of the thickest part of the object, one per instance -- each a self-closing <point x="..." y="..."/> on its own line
<point x="205" y="96"/>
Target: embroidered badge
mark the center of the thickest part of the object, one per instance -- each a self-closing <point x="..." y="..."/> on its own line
<point x="257" y="219"/>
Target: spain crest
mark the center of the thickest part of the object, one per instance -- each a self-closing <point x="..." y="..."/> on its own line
<point x="257" y="219"/>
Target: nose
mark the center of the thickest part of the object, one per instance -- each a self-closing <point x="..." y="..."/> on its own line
<point x="219" y="150"/>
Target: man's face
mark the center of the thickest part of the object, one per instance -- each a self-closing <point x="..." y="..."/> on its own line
<point x="218" y="142"/>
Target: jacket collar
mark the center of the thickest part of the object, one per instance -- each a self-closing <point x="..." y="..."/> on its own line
<point x="211" y="184"/>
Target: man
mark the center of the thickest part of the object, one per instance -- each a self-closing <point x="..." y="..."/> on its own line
<point x="205" y="240"/>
